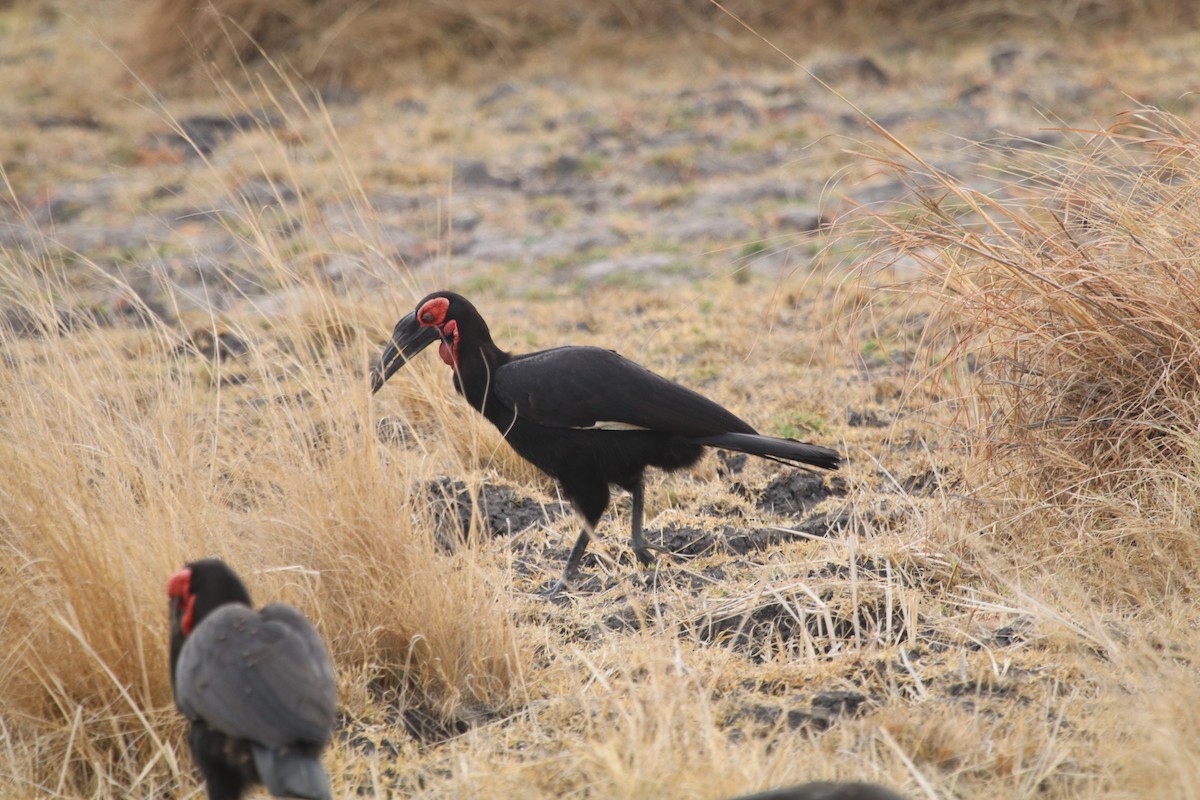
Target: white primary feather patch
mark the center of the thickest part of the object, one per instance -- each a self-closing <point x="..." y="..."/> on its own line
<point x="612" y="426"/>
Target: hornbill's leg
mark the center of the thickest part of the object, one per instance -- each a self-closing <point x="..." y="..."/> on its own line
<point x="641" y="547"/>
<point x="577" y="551"/>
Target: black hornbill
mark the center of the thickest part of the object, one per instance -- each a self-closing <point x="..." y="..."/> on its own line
<point x="257" y="687"/>
<point x="823" y="790"/>
<point x="583" y="415"/>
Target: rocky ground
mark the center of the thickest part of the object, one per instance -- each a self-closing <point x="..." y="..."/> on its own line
<point x="534" y="182"/>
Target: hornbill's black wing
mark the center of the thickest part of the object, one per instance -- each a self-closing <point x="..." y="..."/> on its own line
<point x="589" y="387"/>
<point x="262" y="676"/>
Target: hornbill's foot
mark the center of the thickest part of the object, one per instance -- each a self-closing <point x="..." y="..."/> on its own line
<point x="645" y="553"/>
<point x="555" y="589"/>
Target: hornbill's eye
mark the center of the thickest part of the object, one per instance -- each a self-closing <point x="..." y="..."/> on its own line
<point x="427" y="316"/>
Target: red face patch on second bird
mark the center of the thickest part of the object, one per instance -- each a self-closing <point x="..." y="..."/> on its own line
<point x="179" y="589"/>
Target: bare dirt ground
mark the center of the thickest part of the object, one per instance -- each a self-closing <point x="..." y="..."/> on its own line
<point x="695" y="214"/>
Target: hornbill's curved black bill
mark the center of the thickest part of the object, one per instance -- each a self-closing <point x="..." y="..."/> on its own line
<point x="408" y="338"/>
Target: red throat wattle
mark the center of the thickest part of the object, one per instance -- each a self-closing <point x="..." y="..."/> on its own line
<point x="449" y="351"/>
<point x="179" y="589"/>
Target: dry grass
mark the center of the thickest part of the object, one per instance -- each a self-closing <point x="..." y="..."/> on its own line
<point x="1073" y="319"/>
<point x="1025" y="628"/>
<point x="129" y="451"/>
<point x="126" y="457"/>
<point x="1063" y="332"/>
<point x="383" y="44"/>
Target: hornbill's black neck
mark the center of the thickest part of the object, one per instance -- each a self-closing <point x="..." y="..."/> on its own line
<point x="474" y="374"/>
<point x="196" y="591"/>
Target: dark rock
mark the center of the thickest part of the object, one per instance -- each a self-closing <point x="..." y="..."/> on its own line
<point x="799" y="719"/>
<point x="794" y="493"/>
<point x="825" y="524"/>
<point x="980" y="688"/>
<point x="800" y="218"/>
<point x="1003" y="57"/>
<point x="465" y="220"/>
<point x="633" y="618"/>
<point x="689" y="541"/>
<point x="709" y="229"/>
<point x="473" y="173"/>
<point x="732" y="106"/>
<point x="856" y="68"/>
<point x="410" y="105"/>
<point x="338" y="95"/>
<point x="166" y="190"/>
<point x="927" y="483"/>
<point x="265" y="192"/>
<point x="783" y="111"/>
<point x="502" y="511"/>
<point x="565" y="167"/>
<point x="25" y="323"/>
<point x="83" y="121"/>
<point x="864" y="419"/>
<point x="142" y="308"/>
<point x="1033" y="141"/>
<point x="881" y="193"/>
<point x="1013" y="634"/>
<point x="836" y="704"/>
<point x="201" y="135"/>
<point x="731" y="463"/>
<point x="866" y="521"/>
<point x="760" y="716"/>
<point x="788" y="621"/>
<point x="214" y="344"/>
<point x="501" y="92"/>
<point x="723" y="199"/>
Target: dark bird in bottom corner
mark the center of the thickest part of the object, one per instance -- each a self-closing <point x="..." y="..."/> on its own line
<point x="257" y="687"/>
<point x="823" y="790"/>
<point x="583" y="415"/>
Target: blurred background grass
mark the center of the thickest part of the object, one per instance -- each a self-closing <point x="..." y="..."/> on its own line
<point x="372" y="44"/>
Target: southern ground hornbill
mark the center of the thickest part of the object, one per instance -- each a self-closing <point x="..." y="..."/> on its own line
<point x="257" y="687"/>
<point x="823" y="790"/>
<point x="583" y="415"/>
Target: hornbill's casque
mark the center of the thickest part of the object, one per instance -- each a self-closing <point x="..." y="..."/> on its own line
<point x="257" y="687"/>
<point x="583" y="415"/>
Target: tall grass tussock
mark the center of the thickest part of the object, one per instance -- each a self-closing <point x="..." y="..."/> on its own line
<point x="130" y="450"/>
<point x="1075" y="325"/>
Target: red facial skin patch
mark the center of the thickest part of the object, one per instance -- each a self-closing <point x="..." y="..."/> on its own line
<point x="434" y="312"/>
<point x="449" y="352"/>
<point x="179" y="589"/>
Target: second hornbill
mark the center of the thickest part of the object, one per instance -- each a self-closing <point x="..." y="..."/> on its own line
<point x="257" y="686"/>
<point x="583" y="415"/>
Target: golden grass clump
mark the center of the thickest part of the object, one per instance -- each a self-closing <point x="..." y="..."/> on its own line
<point x="1073" y="318"/>
<point x="126" y="454"/>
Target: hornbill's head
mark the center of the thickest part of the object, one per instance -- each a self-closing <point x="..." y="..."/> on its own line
<point x="196" y="591"/>
<point x="441" y="317"/>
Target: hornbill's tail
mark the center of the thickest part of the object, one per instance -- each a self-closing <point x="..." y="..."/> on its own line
<point x="788" y="450"/>
<point x="290" y="773"/>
